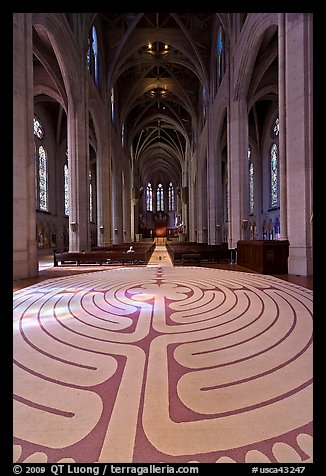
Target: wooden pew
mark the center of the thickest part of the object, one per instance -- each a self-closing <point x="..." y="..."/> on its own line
<point x="100" y="257"/>
<point x="190" y="258"/>
<point x="208" y="253"/>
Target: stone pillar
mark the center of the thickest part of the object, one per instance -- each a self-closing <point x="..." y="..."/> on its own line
<point x="126" y="200"/>
<point x="134" y="218"/>
<point x="199" y="202"/>
<point x="238" y="172"/>
<point x="204" y="192"/>
<point x="117" y="221"/>
<point x="25" y="264"/>
<point x="134" y="206"/>
<point x="282" y="126"/>
<point x="212" y="167"/>
<point x="215" y="189"/>
<point x="298" y="123"/>
<point x="186" y="198"/>
<point x="104" y="234"/>
<point x="193" y="206"/>
<point x="78" y="162"/>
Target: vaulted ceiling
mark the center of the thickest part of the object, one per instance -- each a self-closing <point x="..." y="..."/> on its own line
<point x="158" y="64"/>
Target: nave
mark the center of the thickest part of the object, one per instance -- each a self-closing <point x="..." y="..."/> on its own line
<point x="190" y="129"/>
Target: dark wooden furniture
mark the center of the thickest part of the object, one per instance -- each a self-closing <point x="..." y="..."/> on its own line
<point x="207" y="253"/>
<point x="191" y="258"/>
<point x="107" y="255"/>
<point x="264" y="256"/>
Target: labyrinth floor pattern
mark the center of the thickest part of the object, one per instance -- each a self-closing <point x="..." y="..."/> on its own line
<point x="169" y="365"/>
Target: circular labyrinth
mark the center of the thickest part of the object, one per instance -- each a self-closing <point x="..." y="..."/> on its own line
<point x="163" y="365"/>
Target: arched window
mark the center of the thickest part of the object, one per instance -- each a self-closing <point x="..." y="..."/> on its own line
<point x="95" y="51"/>
<point x="159" y="198"/>
<point x="204" y="103"/>
<point x="38" y="128"/>
<point x="220" y="57"/>
<point x="112" y="105"/>
<point x="251" y="183"/>
<point x="123" y="131"/>
<point x="274" y="175"/>
<point x="66" y="188"/>
<point x="149" y="198"/>
<point x="42" y="179"/>
<point x="274" y="166"/>
<point x="92" y="54"/>
<point x="41" y="167"/>
<point x="276" y="128"/>
<point x="171" y="197"/>
<point x="90" y="196"/>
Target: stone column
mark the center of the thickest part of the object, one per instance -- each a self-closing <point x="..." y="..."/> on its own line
<point x="134" y="218"/>
<point x="185" y="209"/>
<point x="104" y="233"/>
<point x="25" y="264"/>
<point x="78" y="162"/>
<point x="282" y="126"/>
<point x="126" y="200"/>
<point x="218" y="197"/>
<point x="215" y="189"/>
<point x="204" y="192"/>
<point x="299" y="105"/>
<point x="134" y="206"/>
<point x="193" y="206"/>
<point x="117" y="222"/>
<point x="199" y="202"/>
<point x="238" y="172"/>
<point x="212" y="167"/>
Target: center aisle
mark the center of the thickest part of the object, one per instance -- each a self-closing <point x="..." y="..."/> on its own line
<point x="160" y="256"/>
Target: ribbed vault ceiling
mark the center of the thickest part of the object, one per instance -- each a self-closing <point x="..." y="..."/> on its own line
<point x="158" y="66"/>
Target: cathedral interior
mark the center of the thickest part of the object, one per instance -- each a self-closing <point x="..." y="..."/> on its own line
<point x="162" y="237"/>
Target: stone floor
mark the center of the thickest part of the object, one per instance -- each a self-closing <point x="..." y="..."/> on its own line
<point x="162" y="364"/>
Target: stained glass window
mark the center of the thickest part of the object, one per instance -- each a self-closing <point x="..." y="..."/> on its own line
<point x="251" y="183"/>
<point x="274" y="175"/>
<point x="219" y="42"/>
<point x="92" y="54"/>
<point x="171" y="197"/>
<point x="204" y="103"/>
<point x="159" y="198"/>
<point x="89" y="54"/>
<point x="38" y="128"/>
<point x="43" y="178"/>
<point x="149" y="198"/>
<point x="220" y="56"/>
<point x="36" y="175"/>
<point x="276" y="128"/>
<point x="66" y="188"/>
<point x="123" y="134"/>
<point x="112" y="105"/>
<point x="251" y="188"/>
<point x="90" y="197"/>
<point x="95" y="52"/>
